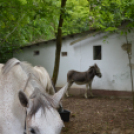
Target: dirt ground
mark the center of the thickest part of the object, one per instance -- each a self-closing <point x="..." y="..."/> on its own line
<point x="99" y="116"/>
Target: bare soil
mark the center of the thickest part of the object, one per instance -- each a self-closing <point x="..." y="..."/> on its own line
<point x="99" y="116"/>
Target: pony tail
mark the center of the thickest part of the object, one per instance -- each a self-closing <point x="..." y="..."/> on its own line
<point x="9" y="65"/>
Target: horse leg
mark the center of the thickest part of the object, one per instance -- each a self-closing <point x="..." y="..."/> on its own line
<point x="69" y="85"/>
<point x="86" y="92"/>
<point x="90" y="90"/>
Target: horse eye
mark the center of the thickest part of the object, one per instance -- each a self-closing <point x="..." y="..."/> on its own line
<point x="32" y="131"/>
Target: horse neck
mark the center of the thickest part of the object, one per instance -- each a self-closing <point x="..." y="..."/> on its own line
<point x="12" y="114"/>
<point x="90" y="75"/>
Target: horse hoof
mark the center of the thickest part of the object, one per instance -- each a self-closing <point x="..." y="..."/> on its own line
<point x="91" y="97"/>
<point x="85" y="96"/>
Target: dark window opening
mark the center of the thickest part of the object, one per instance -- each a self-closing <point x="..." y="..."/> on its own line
<point x="36" y="52"/>
<point x="97" y="52"/>
<point x="64" y="53"/>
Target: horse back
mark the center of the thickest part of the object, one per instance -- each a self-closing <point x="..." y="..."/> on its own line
<point x="76" y="76"/>
<point x="44" y="78"/>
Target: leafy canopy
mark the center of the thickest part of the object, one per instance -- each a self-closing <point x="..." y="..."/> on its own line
<point x="108" y="15"/>
<point x="25" y="21"/>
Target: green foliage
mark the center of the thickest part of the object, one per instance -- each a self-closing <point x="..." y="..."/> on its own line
<point x="24" y="21"/>
<point x="108" y="15"/>
<point x="77" y="14"/>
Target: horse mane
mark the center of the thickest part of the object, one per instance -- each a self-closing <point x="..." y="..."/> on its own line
<point x="26" y="67"/>
<point x="9" y="64"/>
<point x="40" y="100"/>
<point x="91" y="69"/>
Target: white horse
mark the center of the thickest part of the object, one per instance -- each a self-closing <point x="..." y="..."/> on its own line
<point x="42" y="117"/>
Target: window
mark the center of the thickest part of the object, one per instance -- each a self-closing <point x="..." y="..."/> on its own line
<point x="97" y="52"/>
<point x="64" y="53"/>
<point x="37" y="52"/>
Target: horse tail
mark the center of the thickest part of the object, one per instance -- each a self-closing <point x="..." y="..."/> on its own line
<point x="9" y="65"/>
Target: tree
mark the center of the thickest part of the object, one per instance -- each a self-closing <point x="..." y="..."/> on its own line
<point x="129" y="53"/>
<point x="58" y="43"/>
<point x="25" y="21"/>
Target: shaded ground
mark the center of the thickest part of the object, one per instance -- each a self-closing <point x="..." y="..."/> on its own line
<point x="99" y="116"/>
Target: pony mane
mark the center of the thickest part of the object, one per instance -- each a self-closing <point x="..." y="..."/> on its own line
<point x="26" y="67"/>
<point x="9" y="64"/>
<point x="91" y="69"/>
<point x="40" y="100"/>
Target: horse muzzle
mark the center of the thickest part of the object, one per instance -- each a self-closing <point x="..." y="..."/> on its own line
<point x="99" y="75"/>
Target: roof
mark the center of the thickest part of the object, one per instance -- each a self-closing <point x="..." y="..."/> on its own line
<point x="90" y="32"/>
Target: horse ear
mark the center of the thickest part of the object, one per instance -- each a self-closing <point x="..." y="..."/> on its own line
<point x="23" y="99"/>
<point x="95" y="65"/>
<point x="58" y="96"/>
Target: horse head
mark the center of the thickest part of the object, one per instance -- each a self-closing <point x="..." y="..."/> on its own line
<point x="97" y="71"/>
<point x="42" y="116"/>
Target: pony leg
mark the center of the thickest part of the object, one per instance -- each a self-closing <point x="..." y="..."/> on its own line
<point x="69" y="85"/>
<point x="86" y="92"/>
<point x="90" y="90"/>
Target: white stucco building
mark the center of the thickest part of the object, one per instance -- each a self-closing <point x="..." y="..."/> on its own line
<point x="83" y="50"/>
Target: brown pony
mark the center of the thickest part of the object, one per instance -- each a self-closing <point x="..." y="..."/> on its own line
<point x="81" y="78"/>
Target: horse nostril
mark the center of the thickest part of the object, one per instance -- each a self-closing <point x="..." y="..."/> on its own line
<point x="32" y="131"/>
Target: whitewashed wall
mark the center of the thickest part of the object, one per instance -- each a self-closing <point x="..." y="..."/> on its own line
<point x="114" y="63"/>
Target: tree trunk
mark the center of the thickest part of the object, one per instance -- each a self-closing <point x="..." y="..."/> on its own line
<point x="130" y="65"/>
<point x="58" y="44"/>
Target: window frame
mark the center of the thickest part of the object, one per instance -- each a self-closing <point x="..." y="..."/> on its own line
<point x="36" y="53"/>
<point x="64" y="54"/>
<point x="97" y="50"/>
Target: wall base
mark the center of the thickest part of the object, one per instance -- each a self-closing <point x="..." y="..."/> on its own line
<point x="100" y="93"/>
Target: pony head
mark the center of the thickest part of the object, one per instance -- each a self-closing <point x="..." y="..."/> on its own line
<point x="42" y="115"/>
<point x="97" y="71"/>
